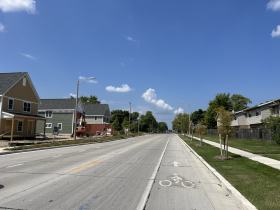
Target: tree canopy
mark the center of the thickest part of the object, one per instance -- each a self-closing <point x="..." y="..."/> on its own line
<point x="198" y="116"/>
<point x="272" y="124"/>
<point x="239" y="102"/>
<point x="181" y="123"/>
<point x="90" y="100"/>
<point x="162" y="127"/>
<point x="236" y="101"/>
<point x="148" y="122"/>
<point x="115" y="125"/>
<point x="120" y="114"/>
<point x="224" y="119"/>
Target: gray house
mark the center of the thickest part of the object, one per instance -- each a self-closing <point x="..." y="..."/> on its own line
<point x="251" y="117"/>
<point x="60" y="113"/>
<point x="97" y="113"/>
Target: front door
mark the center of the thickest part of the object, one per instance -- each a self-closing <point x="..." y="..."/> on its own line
<point x="30" y="128"/>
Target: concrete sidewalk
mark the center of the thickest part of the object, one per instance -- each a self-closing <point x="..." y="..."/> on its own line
<point x="264" y="160"/>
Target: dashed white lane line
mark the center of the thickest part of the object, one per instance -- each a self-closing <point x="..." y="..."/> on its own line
<point x="57" y="156"/>
<point x="14" y="165"/>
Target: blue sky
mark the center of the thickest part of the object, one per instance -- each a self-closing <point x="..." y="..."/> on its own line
<point x="152" y="53"/>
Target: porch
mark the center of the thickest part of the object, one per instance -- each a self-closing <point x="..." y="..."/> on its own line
<point x="19" y="125"/>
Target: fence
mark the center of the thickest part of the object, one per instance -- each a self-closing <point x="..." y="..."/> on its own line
<point x="248" y="133"/>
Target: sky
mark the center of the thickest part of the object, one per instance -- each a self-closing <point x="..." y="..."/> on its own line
<point x="152" y="53"/>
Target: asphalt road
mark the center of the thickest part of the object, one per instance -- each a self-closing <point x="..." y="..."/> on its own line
<point x="153" y="172"/>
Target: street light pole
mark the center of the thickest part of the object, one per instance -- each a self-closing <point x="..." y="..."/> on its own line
<point x="76" y="108"/>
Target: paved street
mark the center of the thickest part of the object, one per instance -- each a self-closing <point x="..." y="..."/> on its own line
<point x="154" y="172"/>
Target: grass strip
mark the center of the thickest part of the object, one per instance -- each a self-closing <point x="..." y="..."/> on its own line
<point x="253" y="146"/>
<point x="259" y="183"/>
<point x="71" y="142"/>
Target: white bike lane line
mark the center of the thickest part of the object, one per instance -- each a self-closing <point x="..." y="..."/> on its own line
<point x="148" y="188"/>
<point x="182" y="182"/>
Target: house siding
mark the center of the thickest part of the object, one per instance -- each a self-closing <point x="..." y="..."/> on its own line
<point x="18" y="106"/>
<point x="64" y="118"/>
<point x="22" y="92"/>
<point x="90" y="120"/>
<point x="265" y="111"/>
<point x="241" y="119"/>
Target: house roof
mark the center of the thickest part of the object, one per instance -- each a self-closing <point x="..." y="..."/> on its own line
<point x="23" y="114"/>
<point x="259" y="105"/>
<point x="8" y="80"/>
<point x="97" y="109"/>
<point x="66" y="103"/>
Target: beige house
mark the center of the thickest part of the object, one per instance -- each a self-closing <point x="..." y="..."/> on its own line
<point x="18" y="106"/>
<point x="251" y="117"/>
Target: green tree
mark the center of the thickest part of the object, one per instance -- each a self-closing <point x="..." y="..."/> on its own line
<point x="221" y="100"/>
<point x="90" y="100"/>
<point x="200" y="130"/>
<point x="120" y="114"/>
<point x="272" y="125"/>
<point x="239" y="102"/>
<point x="224" y="119"/>
<point x="181" y="123"/>
<point x="125" y="123"/>
<point x="115" y="125"/>
<point x="147" y="122"/>
<point x="198" y="116"/>
<point x="162" y="127"/>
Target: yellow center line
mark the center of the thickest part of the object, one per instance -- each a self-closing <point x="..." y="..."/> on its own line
<point x="139" y="144"/>
<point x="87" y="165"/>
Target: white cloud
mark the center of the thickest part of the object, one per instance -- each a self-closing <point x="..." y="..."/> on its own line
<point x="89" y="80"/>
<point x="29" y="56"/>
<point x="2" y="28"/>
<point x="125" y="88"/>
<point x="180" y="110"/>
<point x="151" y="97"/>
<point x="18" y="5"/>
<point x="273" y="5"/>
<point x="73" y="95"/>
<point x="129" y="38"/>
<point x="276" y="33"/>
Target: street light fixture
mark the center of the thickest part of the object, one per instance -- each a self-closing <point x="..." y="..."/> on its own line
<point x="189" y="115"/>
<point x="78" y="82"/>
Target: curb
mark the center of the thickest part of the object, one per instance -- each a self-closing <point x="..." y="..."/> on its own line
<point x="242" y="202"/>
<point x="55" y="147"/>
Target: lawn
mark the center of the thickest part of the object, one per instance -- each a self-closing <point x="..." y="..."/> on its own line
<point x="253" y="146"/>
<point x="259" y="183"/>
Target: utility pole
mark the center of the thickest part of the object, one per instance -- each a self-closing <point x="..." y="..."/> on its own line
<point x="129" y="115"/>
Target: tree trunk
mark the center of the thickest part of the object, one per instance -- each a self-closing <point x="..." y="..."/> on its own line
<point x="201" y="139"/>
<point x="227" y="147"/>
<point x="220" y="138"/>
<point x="192" y="136"/>
<point x="224" y="147"/>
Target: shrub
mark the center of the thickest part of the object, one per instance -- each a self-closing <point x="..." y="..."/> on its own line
<point x="122" y="132"/>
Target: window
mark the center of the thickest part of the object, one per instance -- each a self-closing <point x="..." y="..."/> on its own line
<point x="48" y="114"/>
<point x="24" y="81"/>
<point x="11" y="104"/>
<point x="276" y="110"/>
<point x="59" y="125"/>
<point x="26" y="107"/>
<point x="95" y="118"/>
<point x="250" y="114"/>
<point x="257" y="112"/>
<point x="20" y="126"/>
<point x="107" y="119"/>
<point x="48" y="125"/>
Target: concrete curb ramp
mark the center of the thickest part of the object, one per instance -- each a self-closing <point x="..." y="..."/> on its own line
<point x="234" y="193"/>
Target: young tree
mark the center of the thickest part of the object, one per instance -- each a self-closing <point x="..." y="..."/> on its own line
<point x="125" y="123"/>
<point x="200" y="130"/>
<point x="272" y="124"/>
<point x="115" y="125"/>
<point x="224" y="119"/>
